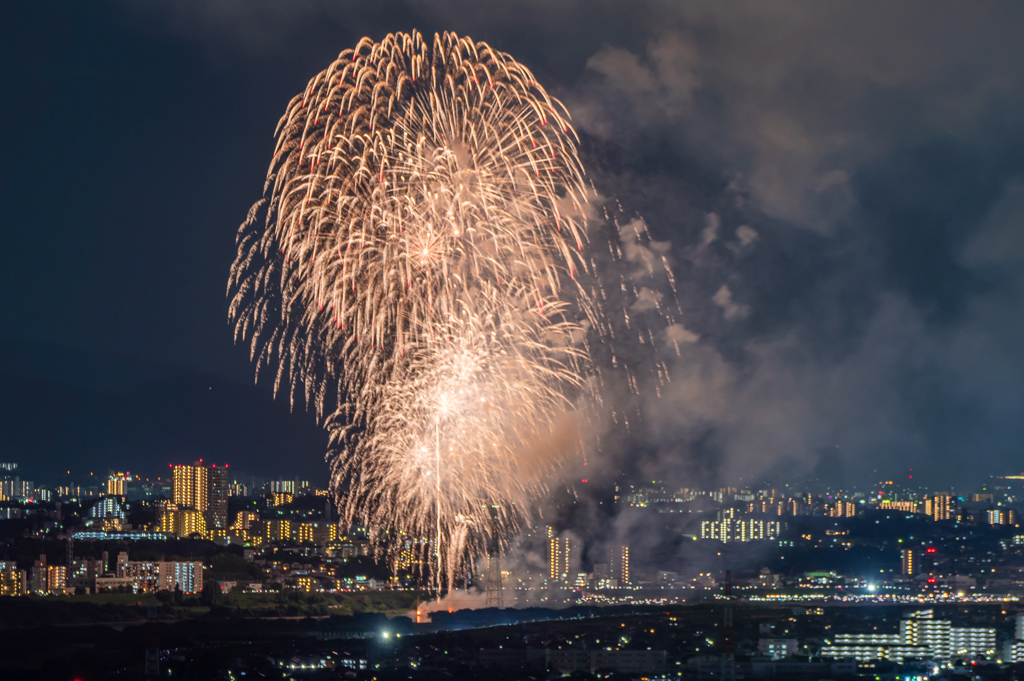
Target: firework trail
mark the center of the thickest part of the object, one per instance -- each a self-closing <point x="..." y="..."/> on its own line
<point x="413" y="273"/>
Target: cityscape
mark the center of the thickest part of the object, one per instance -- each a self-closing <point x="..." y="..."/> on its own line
<point x="464" y="340"/>
<point x="759" y="583"/>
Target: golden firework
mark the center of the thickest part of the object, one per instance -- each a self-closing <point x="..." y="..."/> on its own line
<point x="415" y="279"/>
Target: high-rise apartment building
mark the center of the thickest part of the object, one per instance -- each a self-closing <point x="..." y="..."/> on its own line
<point x="1001" y="516"/>
<point x="281" y="487"/>
<point x="217" y="513"/>
<point x="728" y="528"/>
<point x="38" y="578"/>
<point x="117" y="484"/>
<point x="560" y="554"/>
<point x="842" y="509"/>
<point x="279" y="530"/>
<point x="910" y="562"/>
<point x="618" y="561"/>
<point x="203" y="488"/>
<point x="190" y="486"/>
<point x="940" y="506"/>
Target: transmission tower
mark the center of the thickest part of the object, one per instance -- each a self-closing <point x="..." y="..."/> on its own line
<point x="728" y="641"/>
<point x="69" y="575"/>
<point x="493" y="586"/>
<point x="152" y="666"/>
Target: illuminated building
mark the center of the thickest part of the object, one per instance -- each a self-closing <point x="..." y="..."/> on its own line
<point x="248" y="527"/>
<point x="203" y="488"/>
<point x="777" y="648"/>
<point x="756" y="530"/>
<point x="354" y="545"/>
<point x="217" y="510"/>
<point x="618" y="563"/>
<point x="56" y="578"/>
<point x="1001" y="516"/>
<point x="910" y="562"/>
<point x="940" y="506"/>
<point x="560" y="553"/>
<point x="1013" y="652"/>
<point x="411" y="554"/>
<point x="12" y="580"/>
<point x="186" y="575"/>
<point x="969" y="642"/>
<point x="920" y="636"/>
<point x="237" y="490"/>
<point x="316" y="532"/>
<point x="108" y="507"/>
<point x="905" y="506"/>
<point x="842" y="509"/>
<point x="767" y="507"/>
<point x="85" y="569"/>
<point x="38" y="577"/>
<point x="282" y="487"/>
<point x="281" y="498"/>
<point x="244" y="520"/>
<point x="279" y="530"/>
<point x="183" y="522"/>
<point x="866" y="652"/>
<point x="307" y="584"/>
<point x="117" y="482"/>
<point x="160" y="575"/>
<point x="190" y="487"/>
<point x="728" y="528"/>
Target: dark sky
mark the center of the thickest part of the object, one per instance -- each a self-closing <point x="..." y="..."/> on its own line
<point x="841" y="186"/>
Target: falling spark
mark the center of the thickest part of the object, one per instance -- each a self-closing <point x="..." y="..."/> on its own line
<point x="415" y="280"/>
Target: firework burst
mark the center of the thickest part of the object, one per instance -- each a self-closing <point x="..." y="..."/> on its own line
<point x="412" y="273"/>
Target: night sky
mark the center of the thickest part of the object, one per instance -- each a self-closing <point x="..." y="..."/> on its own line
<point x="840" y="186"/>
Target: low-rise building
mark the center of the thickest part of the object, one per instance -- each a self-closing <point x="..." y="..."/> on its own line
<point x="777" y="648"/>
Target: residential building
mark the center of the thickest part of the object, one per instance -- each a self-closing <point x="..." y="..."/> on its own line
<point x="117" y="484"/>
<point x="561" y="556"/>
<point x="161" y="575"/>
<point x="910" y="562"/>
<point x="183" y="522"/>
<point x="777" y="648"/>
<point x="728" y="528"/>
<point x="920" y="636"/>
<point x="13" y="582"/>
<point x="618" y="562"/>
